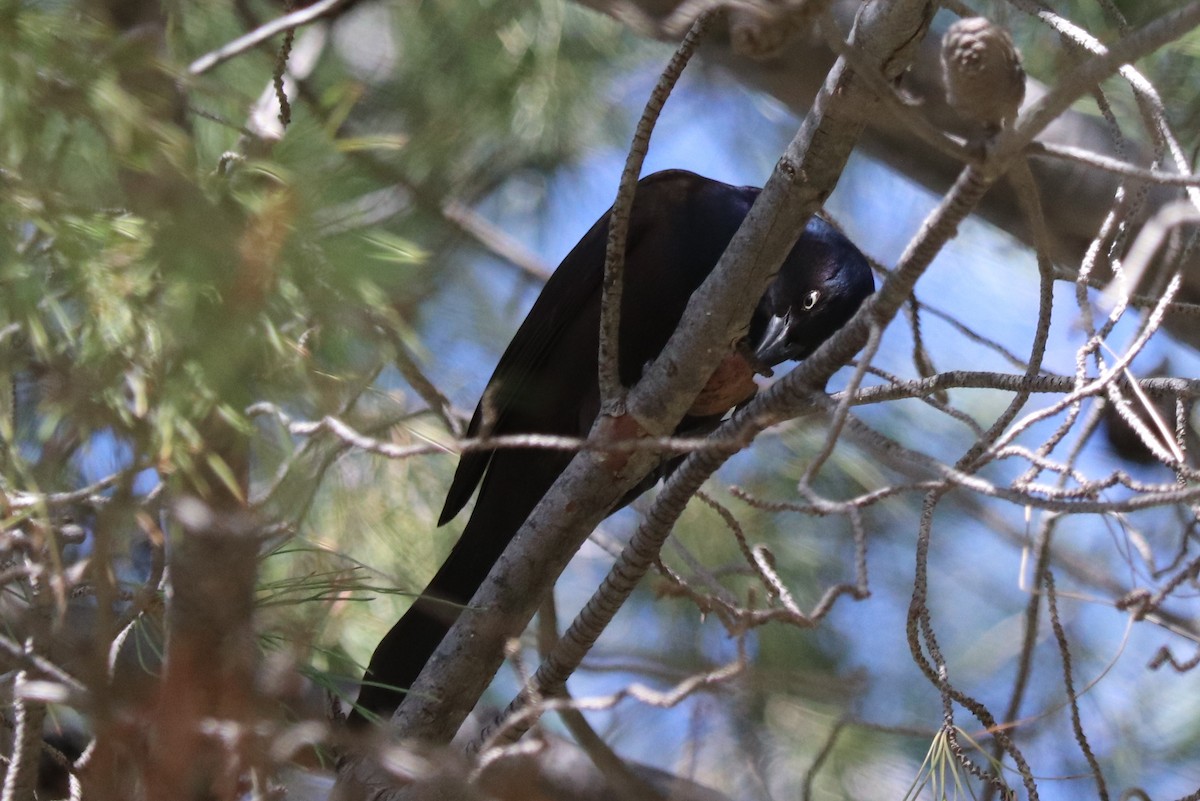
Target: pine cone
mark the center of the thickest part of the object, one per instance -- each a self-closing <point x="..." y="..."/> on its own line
<point x="981" y="67"/>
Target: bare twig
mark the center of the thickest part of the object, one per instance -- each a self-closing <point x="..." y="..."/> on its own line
<point x="612" y="393"/>
<point x="1060" y="637"/>
<point x="248" y="41"/>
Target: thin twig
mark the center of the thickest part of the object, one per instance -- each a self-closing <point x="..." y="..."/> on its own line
<point x="612" y="394"/>
<point x="1060" y="637"/>
<point x="245" y="42"/>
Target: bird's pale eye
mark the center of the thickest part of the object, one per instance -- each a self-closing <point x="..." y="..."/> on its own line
<point x="811" y="299"/>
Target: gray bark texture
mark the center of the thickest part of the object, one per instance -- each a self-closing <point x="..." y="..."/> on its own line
<point x="793" y="64"/>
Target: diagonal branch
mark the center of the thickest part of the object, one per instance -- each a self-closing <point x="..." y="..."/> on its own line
<point x="248" y="41"/>
<point x="806" y="173"/>
<point x="611" y="393"/>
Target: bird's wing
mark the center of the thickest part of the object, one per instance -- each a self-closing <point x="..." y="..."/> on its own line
<point x="576" y="282"/>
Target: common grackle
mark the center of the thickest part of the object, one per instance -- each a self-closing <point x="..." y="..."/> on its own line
<point x="546" y="381"/>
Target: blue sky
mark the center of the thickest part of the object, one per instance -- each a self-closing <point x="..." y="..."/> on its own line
<point x="982" y="276"/>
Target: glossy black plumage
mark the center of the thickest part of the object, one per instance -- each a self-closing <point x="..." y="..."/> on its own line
<point x="546" y="381"/>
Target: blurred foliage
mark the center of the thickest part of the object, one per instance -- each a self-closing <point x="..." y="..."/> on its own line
<point x="1172" y="69"/>
<point x="161" y="269"/>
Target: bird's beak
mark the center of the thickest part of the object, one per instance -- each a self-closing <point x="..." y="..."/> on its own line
<point x="773" y="347"/>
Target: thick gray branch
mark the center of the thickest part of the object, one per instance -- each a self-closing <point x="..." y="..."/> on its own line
<point x="717" y="316"/>
<point x="1076" y="197"/>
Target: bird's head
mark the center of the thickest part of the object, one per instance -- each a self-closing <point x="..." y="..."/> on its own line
<point x="818" y="289"/>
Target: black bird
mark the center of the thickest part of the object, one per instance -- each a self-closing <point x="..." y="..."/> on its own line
<point x="546" y="381"/>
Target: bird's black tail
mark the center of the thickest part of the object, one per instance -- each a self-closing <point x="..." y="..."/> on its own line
<point x="404" y="650"/>
<point x="514" y="484"/>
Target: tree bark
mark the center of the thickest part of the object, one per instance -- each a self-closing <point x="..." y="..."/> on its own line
<point x="1075" y="197"/>
<point x="465" y="663"/>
